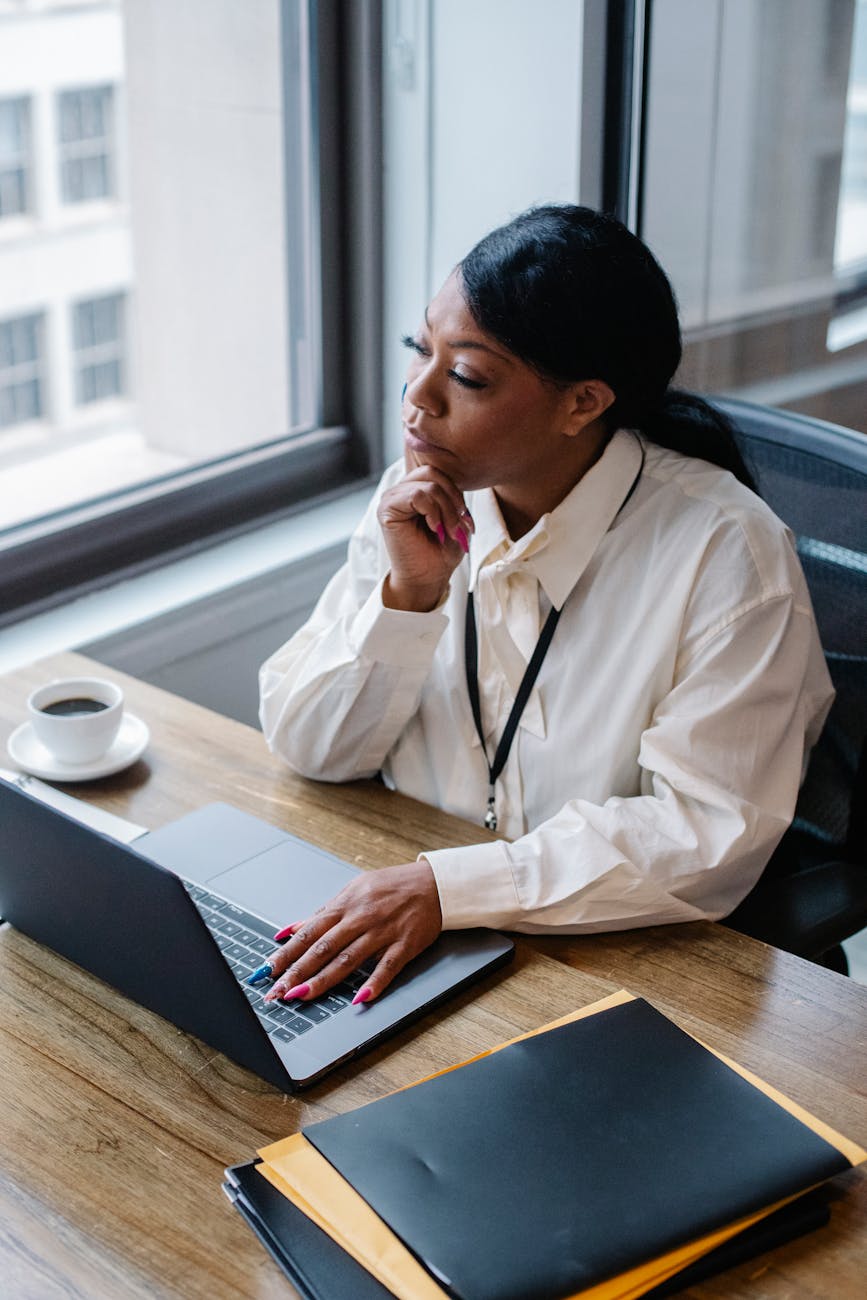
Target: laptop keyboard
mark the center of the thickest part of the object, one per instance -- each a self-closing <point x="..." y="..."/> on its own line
<point x="246" y="941"/>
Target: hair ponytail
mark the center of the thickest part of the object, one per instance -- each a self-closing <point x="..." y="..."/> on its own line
<point x="687" y="424"/>
<point x="576" y="295"/>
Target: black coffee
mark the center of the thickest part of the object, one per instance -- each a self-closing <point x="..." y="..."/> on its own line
<point x="74" y="708"/>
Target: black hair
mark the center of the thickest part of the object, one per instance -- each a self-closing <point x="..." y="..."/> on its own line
<point x="576" y="295"/>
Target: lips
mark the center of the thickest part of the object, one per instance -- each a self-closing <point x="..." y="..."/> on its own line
<point x="416" y="441"/>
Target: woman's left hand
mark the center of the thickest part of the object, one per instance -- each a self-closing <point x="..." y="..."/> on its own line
<point x="393" y="912"/>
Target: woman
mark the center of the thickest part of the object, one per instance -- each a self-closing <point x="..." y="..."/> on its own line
<point x="551" y="474"/>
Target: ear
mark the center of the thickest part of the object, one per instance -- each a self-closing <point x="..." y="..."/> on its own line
<point x="586" y="402"/>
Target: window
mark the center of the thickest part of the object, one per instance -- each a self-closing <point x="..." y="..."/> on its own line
<point x="21" y="366"/>
<point x="86" y="144"/>
<point x="238" y="280"/>
<point x="14" y="157"/>
<point x="97" y="340"/>
<point x="753" y="195"/>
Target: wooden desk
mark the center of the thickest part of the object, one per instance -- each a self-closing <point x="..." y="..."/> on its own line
<point x="116" y="1127"/>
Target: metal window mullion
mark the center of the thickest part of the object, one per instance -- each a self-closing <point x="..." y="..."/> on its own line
<point x="626" y="58"/>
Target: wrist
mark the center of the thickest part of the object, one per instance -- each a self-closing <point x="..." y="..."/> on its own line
<point x="413" y="598"/>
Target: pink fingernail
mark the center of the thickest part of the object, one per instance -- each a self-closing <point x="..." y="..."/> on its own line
<point x="299" y="991"/>
<point x="441" y="533"/>
<point x="363" y="995"/>
<point x="286" y="931"/>
<point x="461" y="537"/>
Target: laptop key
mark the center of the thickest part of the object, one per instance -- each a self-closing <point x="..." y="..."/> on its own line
<point x="283" y="1034"/>
<point x="262" y="947"/>
<point x="222" y="941"/>
<point x="246" y="936"/>
<point x="331" y="1003"/>
<point x="297" y="1025"/>
<point x="312" y="1011"/>
<point x="231" y="910"/>
<point x="278" y="1013"/>
<point x="211" y="900"/>
<point x="234" y="951"/>
<point x="230" y="927"/>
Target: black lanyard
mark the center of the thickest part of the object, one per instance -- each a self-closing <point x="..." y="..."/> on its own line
<point x="471" y="656"/>
<point x="527" y="683"/>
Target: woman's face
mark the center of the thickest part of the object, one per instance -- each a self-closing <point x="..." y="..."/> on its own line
<point x="475" y="411"/>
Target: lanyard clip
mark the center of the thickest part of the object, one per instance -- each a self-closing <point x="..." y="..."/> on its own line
<point x="490" y="815"/>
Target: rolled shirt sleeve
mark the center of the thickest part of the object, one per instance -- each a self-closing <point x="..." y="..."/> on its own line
<point x="334" y="698"/>
<point x="721" y="764"/>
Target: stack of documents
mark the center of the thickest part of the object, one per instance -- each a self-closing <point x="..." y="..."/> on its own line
<point x="608" y="1155"/>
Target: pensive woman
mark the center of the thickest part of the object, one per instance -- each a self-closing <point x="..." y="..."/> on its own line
<point x="565" y="614"/>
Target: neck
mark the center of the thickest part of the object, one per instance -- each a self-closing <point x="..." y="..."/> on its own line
<point x="523" y="504"/>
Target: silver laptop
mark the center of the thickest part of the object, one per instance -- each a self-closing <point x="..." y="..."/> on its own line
<point x="176" y="920"/>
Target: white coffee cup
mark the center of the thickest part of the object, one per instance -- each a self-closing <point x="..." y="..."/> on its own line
<point x="76" y="718"/>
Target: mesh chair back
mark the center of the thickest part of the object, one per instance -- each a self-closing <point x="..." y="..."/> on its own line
<point x="814" y="476"/>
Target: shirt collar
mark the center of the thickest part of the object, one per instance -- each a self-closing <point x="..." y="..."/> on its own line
<point x="559" y="547"/>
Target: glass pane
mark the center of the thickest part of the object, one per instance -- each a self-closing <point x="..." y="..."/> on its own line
<point x="13" y="193"/>
<point x="27" y="400"/>
<point x="749" y="104"/>
<point x="851" y="247"/>
<point x="23" y="345"/>
<point x="70" y="116"/>
<point x="13" y="135"/>
<point x="94" y="173"/>
<point x="82" y="326"/>
<point x="98" y="382"/>
<point x="72" y="181"/>
<point x="94" y="105"/>
<point x="20" y="402"/>
<point x="180" y="118"/>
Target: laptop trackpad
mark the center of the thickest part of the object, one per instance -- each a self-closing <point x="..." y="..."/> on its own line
<point x="286" y="883"/>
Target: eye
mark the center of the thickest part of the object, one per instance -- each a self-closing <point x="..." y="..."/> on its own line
<point x="464" y="381"/>
<point x="420" y="350"/>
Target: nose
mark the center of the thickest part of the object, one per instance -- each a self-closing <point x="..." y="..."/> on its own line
<point x="422" y="391"/>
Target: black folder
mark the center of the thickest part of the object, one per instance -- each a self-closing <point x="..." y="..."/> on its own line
<point x="572" y="1156"/>
<point x="567" y="1159"/>
<point x="319" y="1269"/>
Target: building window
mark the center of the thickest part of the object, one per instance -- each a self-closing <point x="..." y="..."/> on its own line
<point x="86" y="144"/>
<point x="14" y="157"/>
<point x="21" y="363"/>
<point x="247" y="272"/>
<point x="98" y="349"/>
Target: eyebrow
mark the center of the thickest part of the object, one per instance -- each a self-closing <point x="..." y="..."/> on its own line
<point x="470" y="343"/>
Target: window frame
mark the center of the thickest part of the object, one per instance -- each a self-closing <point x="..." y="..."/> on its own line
<point x="34" y="368"/>
<point x="87" y="148"/>
<point x="47" y="561"/>
<point x="88" y="357"/>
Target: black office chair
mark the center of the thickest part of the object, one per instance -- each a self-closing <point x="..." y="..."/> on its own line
<point x="813" y="893"/>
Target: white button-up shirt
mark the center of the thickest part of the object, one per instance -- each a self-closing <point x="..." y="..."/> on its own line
<point x="658" y="759"/>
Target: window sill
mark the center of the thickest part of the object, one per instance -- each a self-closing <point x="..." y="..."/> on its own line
<point x="160" y="591"/>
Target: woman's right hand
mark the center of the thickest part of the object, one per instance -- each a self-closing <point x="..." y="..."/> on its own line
<point x="426" y="527"/>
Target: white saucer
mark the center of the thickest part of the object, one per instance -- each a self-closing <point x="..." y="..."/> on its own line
<point x="31" y="755"/>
